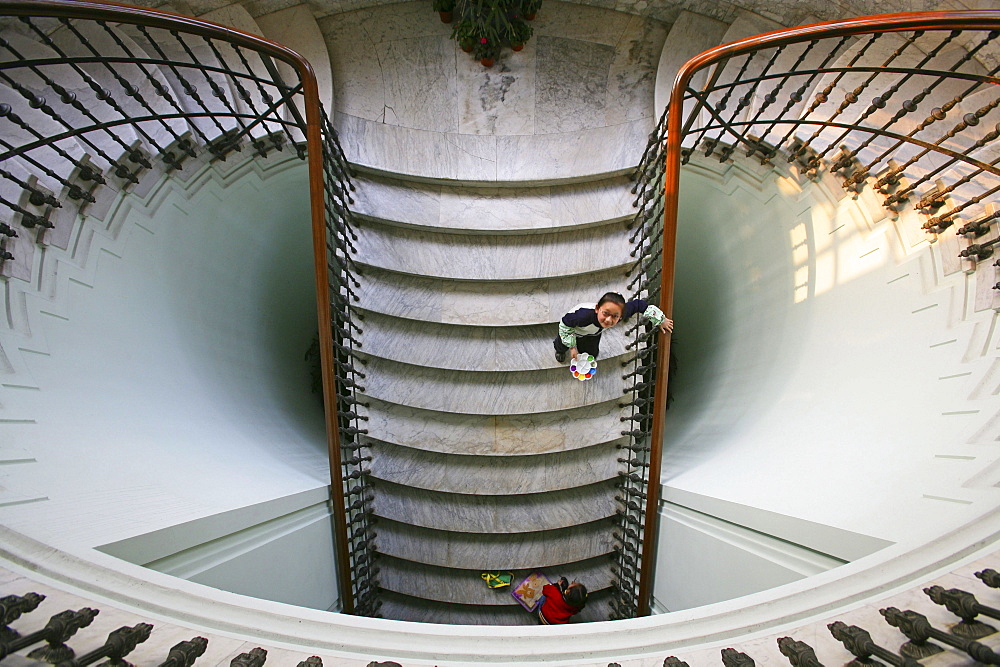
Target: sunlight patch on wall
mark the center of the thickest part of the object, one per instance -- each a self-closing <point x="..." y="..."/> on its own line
<point x="830" y="247"/>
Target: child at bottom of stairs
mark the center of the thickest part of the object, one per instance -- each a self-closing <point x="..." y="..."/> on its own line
<point x="560" y="601"/>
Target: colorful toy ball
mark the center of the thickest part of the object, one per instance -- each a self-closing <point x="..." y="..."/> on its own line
<point x="583" y="367"/>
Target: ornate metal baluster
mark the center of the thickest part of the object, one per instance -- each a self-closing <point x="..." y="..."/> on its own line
<point x="186" y="87"/>
<point x="161" y="91"/>
<point x="12" y="607"/>
<point x="183" y="654"/>
<point x="120" y="643"/>
<point x="860" y="643"/>
<point x="821" y="97"/>
<point x="60" y="628"/>
<point x="967" y="607"/>
<point x="69" y="98"/>
<point x="721" y="105"/>
<point x="918" y="630"/>
<point x="799" y="654"/>
<point x="879" y="102"/>
<point x="130" y="90"/>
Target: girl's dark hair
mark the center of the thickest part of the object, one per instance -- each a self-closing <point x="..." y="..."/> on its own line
<point x="612" y="297"/>
<point x="576" y="596"/>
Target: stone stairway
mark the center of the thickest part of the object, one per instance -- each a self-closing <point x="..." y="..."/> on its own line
<point x="486" y="453"/>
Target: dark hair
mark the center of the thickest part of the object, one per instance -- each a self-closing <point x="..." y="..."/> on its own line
<point x="612" y="297"/>
<point x="576" y="596"/>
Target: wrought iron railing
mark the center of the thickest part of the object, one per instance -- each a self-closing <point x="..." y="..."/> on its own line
<point x="99" y="96"/>
<point x="902" y="105"/>
<point x="924" y="638"/>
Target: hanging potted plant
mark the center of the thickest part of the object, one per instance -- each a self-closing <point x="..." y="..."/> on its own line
<point x="444" y="8"/>
<point x="486" y="52"/>
<point x="465" y="33"/>
<point x="518" y="32"/>
<point x="529" y="8"/>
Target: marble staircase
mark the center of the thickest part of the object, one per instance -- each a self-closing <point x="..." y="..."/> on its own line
<point x="476" y="233"/>
<point x="486" y="453"/>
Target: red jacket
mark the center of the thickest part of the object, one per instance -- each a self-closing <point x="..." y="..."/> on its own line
<point x="555" y="610"/>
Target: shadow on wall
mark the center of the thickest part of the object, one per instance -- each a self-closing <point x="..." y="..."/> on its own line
<point x="731" y="307"/>
<point x="247" y="313"/>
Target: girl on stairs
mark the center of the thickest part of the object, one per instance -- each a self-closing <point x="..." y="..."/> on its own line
<point x="580" y="329"/>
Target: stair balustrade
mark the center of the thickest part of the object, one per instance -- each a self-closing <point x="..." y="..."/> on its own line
<point x="101" y="98"/>
<point x="857" y="641"/>
<point x="898" y="106"/>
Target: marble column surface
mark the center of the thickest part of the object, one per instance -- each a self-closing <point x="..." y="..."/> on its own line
<point x="487" y="392"/>
<point x="495" y="514"/>
<point x="445" y="584"/>
<point x="492" y="435"/>
<point x="408" y="100"/>
<point x="493" y="257"/>
<point x="495" y="210"/>
<point x="471" y="348"/>
<point x="522" y="474"/>
<point x="483" y="303"/>
<point x="406" y="608"/>
<point x="543" y="549"/>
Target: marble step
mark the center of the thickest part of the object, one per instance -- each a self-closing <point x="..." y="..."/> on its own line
<point x="493" y="257"/>
<point x="483" y="303"/>
<point x="406" y="608"/>
<point x="493" y="160"/>
<point x="507" y="551"/>
<point x="444" y="584"/>
<point x="495" y="514"/>
<point x="490" y="393"/>
<point x="451" y="473"/>
<point x="473" y="348"/>
<point x="496" y="210"/>
<point x="495" y="435"/>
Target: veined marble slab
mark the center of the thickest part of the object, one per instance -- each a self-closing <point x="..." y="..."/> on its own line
<point x="476" y="348"/>
<point x="572" y="83"/>
<point x="487" y="393"/>
<point x="482" y="159"/>
<point x="483" y="303"/>
<point x="497" y="209"/>
<point x="493" y="552"/>
<point x="495" y="435"/>
<point x="495" y="514"/>
<point x="615" y="149"/>
<point x="497" y="475"/>
<point x="467" y="586"/>
<point x="493" y="257"/>
<point x="423" y="153"/>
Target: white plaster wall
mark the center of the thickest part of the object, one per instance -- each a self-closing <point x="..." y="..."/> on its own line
<point x="165" y="380"/>
<point x="834" y="367"/>
<point x="281" y="550"/>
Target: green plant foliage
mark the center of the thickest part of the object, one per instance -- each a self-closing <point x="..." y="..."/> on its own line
<point x="444" y="5"/>
<point x="489" y="25"/>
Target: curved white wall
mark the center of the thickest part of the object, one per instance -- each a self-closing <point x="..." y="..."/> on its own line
<point x="165" y="380"/>
<point x="837" y="372"/>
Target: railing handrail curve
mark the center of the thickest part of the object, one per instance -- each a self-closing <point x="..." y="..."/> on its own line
<point x="718" y="56"/>
<point x="97" y="11"/>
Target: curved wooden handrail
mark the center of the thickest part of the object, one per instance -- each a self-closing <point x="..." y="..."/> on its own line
<point x="900" y="22"/>
<point x="82" y="9"/>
